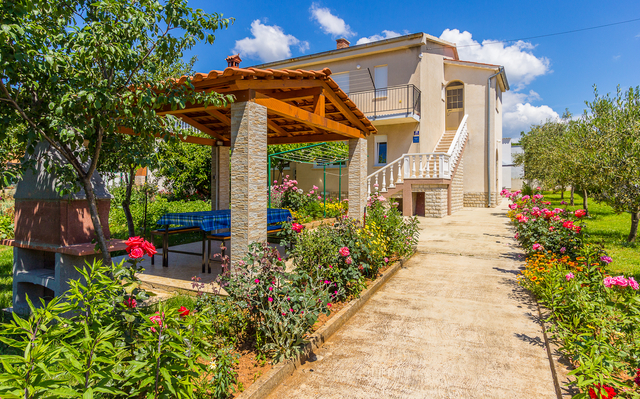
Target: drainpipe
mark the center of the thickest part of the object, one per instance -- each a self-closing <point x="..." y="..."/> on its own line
<point x="501" y="70"/>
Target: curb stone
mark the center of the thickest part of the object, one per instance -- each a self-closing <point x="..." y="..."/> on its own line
<point x="281" y="371"/>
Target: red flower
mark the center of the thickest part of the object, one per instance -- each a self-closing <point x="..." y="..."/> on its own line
<point x="297" y="227"/>
<point x="136" y="253"/>
<point x="134" y="242"/>
<point x="184" y="312"/>
<point x="130" y="302"/>
<point x="604" y="392"/>
<point x="148" y="248"/>
<point x="568" y="224"/>
<point x="580" y="213"/>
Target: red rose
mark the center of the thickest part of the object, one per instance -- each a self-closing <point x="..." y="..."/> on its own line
<point x="604" y="392"/>
<point x="148" y="248"/>
<point x="183" y="312"/>
<point x="130" y="302"/>
<point x="297" y="227"/>
<point x="134" y="241"/>
<point x="136" y="253"/>
<point x="580" y="213"/>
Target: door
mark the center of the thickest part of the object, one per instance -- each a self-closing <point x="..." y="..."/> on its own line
<point x="455" y="105"/>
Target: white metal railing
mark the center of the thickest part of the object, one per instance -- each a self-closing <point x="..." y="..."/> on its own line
<point x="431" y="165"/>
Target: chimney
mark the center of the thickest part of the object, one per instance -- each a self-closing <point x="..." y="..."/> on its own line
<point x="342" y="43"/>
<point x="233" y="60"/>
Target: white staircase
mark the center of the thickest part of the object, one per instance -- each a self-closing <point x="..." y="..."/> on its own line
<point x="439" y="164"/>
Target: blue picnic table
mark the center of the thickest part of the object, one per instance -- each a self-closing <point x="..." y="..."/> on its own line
<point x="206" y="222"/>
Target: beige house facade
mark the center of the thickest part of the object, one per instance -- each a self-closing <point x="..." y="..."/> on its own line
<point x="439" y="121"/>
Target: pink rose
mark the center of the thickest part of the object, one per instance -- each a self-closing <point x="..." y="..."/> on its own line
<point x="297" y="227"/>
<point x="349" y="261"/>
<point x="569" y="276"/>
<point x="537" y="247"/>
<point x="344" y="251"/>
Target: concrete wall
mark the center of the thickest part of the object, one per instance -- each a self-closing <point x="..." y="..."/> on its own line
<point x="457" y="188"/>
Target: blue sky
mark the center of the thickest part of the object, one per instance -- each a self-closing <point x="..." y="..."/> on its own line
<point x="547" y="75"/>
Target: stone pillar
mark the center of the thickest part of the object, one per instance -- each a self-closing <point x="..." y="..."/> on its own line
<point x="214" y="178"/>
<point x="357" y="177"/>
<point x="248" y="177"/>
<point x="223" y="180"/>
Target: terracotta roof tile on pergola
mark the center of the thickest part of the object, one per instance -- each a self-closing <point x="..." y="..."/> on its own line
<point x="302" y="106"/>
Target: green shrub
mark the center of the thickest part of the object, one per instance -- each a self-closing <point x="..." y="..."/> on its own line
<point x="108" y="346"/>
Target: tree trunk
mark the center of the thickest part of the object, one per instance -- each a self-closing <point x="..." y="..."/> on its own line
<point x="635" y="216"/>
<point x="95" y="218"/>
<point x="585" y="205"/>
<point x="126" y="203"/>
<point x="572" y="203"/>
<point x="562" y="193"/>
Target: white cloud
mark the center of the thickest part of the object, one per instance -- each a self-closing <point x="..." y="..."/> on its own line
<point x="269" y="43"/>
<point x="518" y="114"/>
<point x="386" y="34"/>
<point x="521" y="65"/>
<point x="330" y="24"/>
<point x="616" y="57"/>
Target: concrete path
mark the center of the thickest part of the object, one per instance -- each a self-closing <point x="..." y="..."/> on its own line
<point x="452" y="323"/>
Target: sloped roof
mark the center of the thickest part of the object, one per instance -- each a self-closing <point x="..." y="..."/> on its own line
<point x="295" y="111"/>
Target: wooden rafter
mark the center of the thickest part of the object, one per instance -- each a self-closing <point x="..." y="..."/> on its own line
<point x="310" y="119"/>
<point x="340" y="105"/>
<point x="306" y="138"/>
<point x="219" y="116"/>
<point x="186" y="139"/>
<point x="201" y="127"/>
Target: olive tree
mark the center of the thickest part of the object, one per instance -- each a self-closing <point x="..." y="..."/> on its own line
<point x="75" y="72"/>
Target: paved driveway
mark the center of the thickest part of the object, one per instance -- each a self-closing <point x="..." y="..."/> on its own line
<point x="451" y="324"/>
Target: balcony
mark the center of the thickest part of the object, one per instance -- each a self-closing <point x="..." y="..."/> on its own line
<point x="390" y="105"/>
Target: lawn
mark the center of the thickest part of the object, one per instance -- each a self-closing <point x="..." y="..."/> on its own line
<point x="606" y="227"/>
<point x="6" y="276"/>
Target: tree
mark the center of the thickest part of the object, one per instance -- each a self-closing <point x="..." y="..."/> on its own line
<point x="124" y="154"/>
<point x="186" y="168"/>
<point x="614" y="122"/>
<point x="11" y="151"/>
<point x="75" y="72"/>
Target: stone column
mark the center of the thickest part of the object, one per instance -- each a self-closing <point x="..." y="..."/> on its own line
<point x="214" y="178"/>
<point x="357" y="177"/>
<point x="223" y="179"/>
<point x="248" y="177"/>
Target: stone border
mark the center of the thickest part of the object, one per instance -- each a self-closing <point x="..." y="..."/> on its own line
<point x="281" y="371"/>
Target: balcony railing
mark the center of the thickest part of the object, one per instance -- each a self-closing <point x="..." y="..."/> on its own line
<point x="389" y="102"/>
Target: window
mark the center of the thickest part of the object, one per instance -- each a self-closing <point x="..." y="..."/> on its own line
<point x="454" y="96"/>
<point x="381" y="150"/>
<point x="380" y="78"/>
<point x="342" y="79"/>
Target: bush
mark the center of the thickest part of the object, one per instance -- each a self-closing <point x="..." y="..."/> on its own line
<point x="108" y="346"/>
<point x="7" y="215"/>
<point x="595" y="318"/>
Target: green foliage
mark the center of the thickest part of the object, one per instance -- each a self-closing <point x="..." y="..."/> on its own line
<point x="6" y="277"/>
<point x="156" y="207"/>
<point x="597" y="154"/>
<point x="75" y="73"/>
<point x="282" y="307"/>
<point x="594" y="321"/>
<point x="11" y="152"/>
<point x="106" y="346"/>
<point x="186" y="169"/>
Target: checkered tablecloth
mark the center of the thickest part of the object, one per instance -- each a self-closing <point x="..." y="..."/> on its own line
<point x="216" y="220"/>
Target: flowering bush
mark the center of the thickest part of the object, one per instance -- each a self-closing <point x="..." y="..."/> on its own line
<point x="595" y="317"/>
<point x="96" y="340"/>
<point x="282" y="307"/>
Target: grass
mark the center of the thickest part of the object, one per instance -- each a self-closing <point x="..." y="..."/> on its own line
<point x="605" y="227"/>
<point x="6" y="277"/>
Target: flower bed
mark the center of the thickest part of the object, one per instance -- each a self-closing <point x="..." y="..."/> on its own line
<point x="305" y="206"/>
<point x="111" y="346"/>
<point x="594" y="317"/>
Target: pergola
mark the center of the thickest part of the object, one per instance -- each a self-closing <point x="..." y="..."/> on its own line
<point x="271" y="107"/>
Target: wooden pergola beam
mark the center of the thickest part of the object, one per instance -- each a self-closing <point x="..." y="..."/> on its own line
<point x="201" y="127"/>
<point x="341" y="106"/>
<point x="293" y="95"/>
<point x="219" y="116"/>
<point x="309" y="118"/>
<point x="185" y="139"/>
<point x="277" y="128"/>
<point x="246" y="84"/>
<point x="306" y="138"/>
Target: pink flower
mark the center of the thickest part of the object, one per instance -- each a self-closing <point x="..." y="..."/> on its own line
<point x="606" y="259"/>
<point x="257" y="281"/>
<point x="148" y="248"/>
<point x="136" y="253"/>
<point x="563" y="250"/>
<point x="516" y="236"/>
<point x="633" y="284"/>
<point x="327" y="282"/>
<point x="580" y="213"/>
<point x="315" y="187"/>
<point x="513" y="206"/>
<point x="569" y="276"/>
<point x="156" y="319"/>
<point x="270" y="299"/>
<point x="297" y="227"/>
<point x="319" y="197"/>
<point x="329" y="305"/>
<point x="344" y="251"/>
<point x="270" y="288"/>
<point x="386" y="260"/>
<point x="349" y="261"/>
<point x="536" y="246"/>
<point x="311" y="192"/>
<point x="130" y="302"/>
